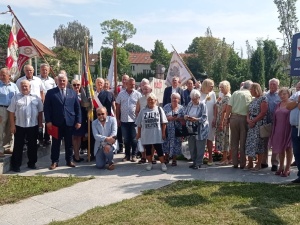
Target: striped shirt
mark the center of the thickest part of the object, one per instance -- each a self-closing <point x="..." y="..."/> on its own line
<point x="26" y="109"/>
<point x="127" y="104"/>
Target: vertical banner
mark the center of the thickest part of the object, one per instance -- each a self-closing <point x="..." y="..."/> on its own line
<point x="295" y="59"/>
<point x="111" y="75"/>
<point x="19" y="50"/>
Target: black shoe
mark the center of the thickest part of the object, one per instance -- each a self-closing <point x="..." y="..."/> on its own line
<point x="294" y="164"/>
<point x="33" y="167"/>
<point x="297" y="181"/>
<point x="16" y="169"/>
<point x="77" y="160"/>
<point x="263" y="165"/>
<point x="235" y="167"/>
<point x="274" y="168"/>
<point x="92" y="158"/>
<point x="196" y="167"/>
<point x="191" y="166"/>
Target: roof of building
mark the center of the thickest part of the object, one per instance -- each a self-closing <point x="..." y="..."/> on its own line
<point x="140" y="58"/>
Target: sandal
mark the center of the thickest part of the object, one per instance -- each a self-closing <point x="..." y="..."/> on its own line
<point x="142" y="161"/>
<point x="174" y="163"/>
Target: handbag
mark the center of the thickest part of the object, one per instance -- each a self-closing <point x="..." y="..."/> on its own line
<point x="265" y="130"/>
<point x="181" y="131"/>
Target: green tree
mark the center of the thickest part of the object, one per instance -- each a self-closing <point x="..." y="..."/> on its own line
<point x="4" y="31"/>
<point x="118" y="32"/>
<point x="123" y="63"/>
<point x="288" y="22"/>
<point x="160" y="55"/>
<point x="272" y="65"/>
<point x="257" y="66"/>
<point x="72" y="36"/>
<point x="195" y="66"/>
<point x="130" y="47"/>
<point x="194" y="46"/>
<point x="66" y="59"/>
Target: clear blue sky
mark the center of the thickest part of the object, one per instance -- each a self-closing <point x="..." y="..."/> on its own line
<point x="173" y="22"/>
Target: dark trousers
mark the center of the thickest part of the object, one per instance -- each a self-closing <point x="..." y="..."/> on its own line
<point x="157" y="147"/>
<point x="296" y="147"/>
<point x="92" y="140"/>
<point x="66" y="133"/>
<point x="31" y="135"/>
<point x="129" y="135"/>
<point x="46" y="135"/>
<point x="120" y="138"/>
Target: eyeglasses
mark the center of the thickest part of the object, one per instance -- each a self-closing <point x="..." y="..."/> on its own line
<point x="76" y="85"/>
<point x="100" y="114"/>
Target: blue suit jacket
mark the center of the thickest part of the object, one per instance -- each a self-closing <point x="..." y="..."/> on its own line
<point x="168" y="93"/>
<point x="58" y="111"/>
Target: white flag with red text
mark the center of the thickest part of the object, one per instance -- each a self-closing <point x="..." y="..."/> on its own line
<point x="19" y="49"/>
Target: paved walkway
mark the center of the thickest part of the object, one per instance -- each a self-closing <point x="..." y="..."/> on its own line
<point x="126" y="181"/>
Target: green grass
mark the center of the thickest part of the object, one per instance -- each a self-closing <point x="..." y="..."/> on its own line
<point x="197" y="202"/>
<point x="15" y="188"/>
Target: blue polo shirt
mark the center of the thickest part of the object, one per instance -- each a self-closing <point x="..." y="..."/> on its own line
<point x="7" y="91"/>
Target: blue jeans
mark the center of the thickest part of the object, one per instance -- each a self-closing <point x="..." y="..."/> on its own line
<point x="129" y="135"/>
<point x="296" y="147"/>
<point x="102" y="158"/>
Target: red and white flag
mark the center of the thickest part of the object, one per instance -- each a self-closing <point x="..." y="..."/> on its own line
<point x="19" y="49"/>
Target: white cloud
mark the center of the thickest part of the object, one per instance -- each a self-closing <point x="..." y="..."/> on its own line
<point x="51" y="13"/>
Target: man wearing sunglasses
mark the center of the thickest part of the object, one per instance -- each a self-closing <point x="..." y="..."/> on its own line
<point x="105" y="134"/>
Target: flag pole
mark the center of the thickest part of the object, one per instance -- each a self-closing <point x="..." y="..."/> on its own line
<point x="90" y="108"/>
<point x="29" y="38"/>
<point x="185" y="65"/>
<point x="115" y="68"/>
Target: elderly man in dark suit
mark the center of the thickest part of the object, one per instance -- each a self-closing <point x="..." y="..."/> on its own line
<point x="173" y="89"/>
<point x="62" y="109"/>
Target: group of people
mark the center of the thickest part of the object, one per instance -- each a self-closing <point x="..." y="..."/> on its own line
<point x="229" y="123"/>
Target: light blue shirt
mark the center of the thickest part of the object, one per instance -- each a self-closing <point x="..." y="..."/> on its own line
<point x="7" y="91"/>
<point x="273" y="100"/>
<point x="294" y="114"/>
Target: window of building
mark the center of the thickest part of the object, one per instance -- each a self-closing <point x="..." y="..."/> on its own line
<point x="132" y="68"/>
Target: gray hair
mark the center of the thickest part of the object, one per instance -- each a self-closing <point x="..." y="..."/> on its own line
<point x="144" y="80"/>
<point x="247" y="84"/>
<point x="195" y="94"/>
<point x="152" y="95"/>
<point x="275" y="80"/>
<point x="101" y="107"/>
<point x="61" y="75"/>
<point x="44" y="65"/>
<point x="175" y="94"/>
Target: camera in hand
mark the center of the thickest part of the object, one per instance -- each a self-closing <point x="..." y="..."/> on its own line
<point x="175" y="114"/>
<point x="115" y="137"/>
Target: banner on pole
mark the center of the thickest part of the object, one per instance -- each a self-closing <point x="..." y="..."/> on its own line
<point x="19" y="49"/>
<point x="177" y="68"/>
<point x="110" y="75"/>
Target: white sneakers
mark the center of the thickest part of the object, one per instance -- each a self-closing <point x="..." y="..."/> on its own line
<point x="149" y="167"/>
<point x="163" y="167"/>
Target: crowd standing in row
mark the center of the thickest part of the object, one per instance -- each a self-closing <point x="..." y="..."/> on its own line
<point x="229" y="123"/>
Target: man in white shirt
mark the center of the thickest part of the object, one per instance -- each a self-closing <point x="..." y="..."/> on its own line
<point x="27" y="109"/>
<point x="36" y="85"/>
<point x="49" y="83"/>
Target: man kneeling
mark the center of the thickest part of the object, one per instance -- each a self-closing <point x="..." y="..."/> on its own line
<point x="105" y="132"/>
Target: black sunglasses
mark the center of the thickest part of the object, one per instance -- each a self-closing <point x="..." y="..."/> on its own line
<point x="100" y="114"/>
<point x="76" y="85"/>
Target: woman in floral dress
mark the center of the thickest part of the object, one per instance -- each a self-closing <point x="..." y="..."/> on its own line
<point x="222" y="128"/>
<point x="174" y="113"/>
<point x="257" y="116"/>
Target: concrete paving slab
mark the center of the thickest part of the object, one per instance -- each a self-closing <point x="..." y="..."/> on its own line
<point x="126" y="181"/>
